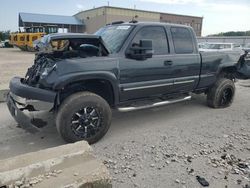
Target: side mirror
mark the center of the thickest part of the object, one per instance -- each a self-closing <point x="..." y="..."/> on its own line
<point x="141" y="51"/>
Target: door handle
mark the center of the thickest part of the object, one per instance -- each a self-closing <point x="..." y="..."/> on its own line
<point x="168" y="62"/>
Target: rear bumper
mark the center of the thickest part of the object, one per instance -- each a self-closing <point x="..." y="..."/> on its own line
<point x="23" y="98"/>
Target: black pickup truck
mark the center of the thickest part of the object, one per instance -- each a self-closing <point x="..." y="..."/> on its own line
<point x="124" y="66"/>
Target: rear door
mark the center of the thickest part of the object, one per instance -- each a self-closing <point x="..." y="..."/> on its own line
<point x="186" y="61"/>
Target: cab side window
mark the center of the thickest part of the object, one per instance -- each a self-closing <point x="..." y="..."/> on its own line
<point x="157" y="35"/>
<point x="182" y="39"/>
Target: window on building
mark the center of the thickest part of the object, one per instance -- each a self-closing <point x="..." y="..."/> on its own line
<point x="182" y="39"/>
<point x="158" y="37"/>
<point x="198" y="26"/>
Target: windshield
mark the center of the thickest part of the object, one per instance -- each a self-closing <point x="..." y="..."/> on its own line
<point x="114" y="36"/>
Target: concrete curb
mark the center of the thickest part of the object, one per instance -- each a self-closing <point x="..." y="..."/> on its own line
<point x="3" y="94"/>
<point x="70" y="165"/>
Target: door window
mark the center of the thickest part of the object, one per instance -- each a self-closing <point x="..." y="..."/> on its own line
<point x="158" y="37"/>
<point x="182" y="39"/>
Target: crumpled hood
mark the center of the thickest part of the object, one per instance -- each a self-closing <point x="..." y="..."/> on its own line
<point x="46" y="46"/>
<point x="70" y="56"/>
<point x="75" y="65"/>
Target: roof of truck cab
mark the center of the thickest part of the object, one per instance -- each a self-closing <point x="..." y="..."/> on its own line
<point x="150" y="23"/>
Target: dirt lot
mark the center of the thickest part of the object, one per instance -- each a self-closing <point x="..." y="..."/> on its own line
<point x="13" y="62"/>
<point x="161" y="147"/>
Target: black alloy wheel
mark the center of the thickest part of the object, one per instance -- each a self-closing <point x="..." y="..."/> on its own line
<point x="221" y="94"/>
<point x="86" y="122"/>
<point x="83" y="116"/>
<point x="227" y="96"/>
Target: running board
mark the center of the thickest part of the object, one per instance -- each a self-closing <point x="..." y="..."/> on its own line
<point x="157" y="104"/>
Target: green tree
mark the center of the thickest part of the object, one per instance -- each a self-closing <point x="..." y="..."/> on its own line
<point x="4" y="35"/>
<point x="1" y="36"/>
<point x="232" y="33"/>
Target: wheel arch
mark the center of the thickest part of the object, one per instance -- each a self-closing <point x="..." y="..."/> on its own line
<point x="227" y="72"/>
<point x="105" y="85"/>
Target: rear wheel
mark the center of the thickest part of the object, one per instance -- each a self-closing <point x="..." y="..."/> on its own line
<point x="221" y="95"/>
<point x="83" y="116"/>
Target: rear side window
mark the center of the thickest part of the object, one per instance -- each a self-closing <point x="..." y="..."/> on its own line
<point x="158" y="37"/>
<point x="182" y="39"/>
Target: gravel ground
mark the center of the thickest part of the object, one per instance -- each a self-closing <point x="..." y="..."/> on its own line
<point x="170" y="146"/>
<point x="161" y="147"/>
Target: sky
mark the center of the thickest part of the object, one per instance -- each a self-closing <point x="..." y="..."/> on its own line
<point x="219" y="15"/>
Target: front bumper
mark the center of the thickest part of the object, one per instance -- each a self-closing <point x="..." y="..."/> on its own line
<point x="23" y="98"/>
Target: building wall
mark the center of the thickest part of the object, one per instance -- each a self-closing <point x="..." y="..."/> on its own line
<point x="194" y="22"/>
<point x="76" y="29"/>
<point x="126" y="15"/>
<point x="98" y="17"/>
<point x="93" y="19"/>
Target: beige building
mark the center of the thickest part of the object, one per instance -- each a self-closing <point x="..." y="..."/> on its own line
<point x="98" y="17"/>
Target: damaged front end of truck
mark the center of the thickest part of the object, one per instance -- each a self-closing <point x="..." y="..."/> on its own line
<point x="35" y="92"/>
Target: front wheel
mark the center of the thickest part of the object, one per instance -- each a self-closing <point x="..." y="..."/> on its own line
<point x="83" y="116"/>
<point x="221" y="95"/>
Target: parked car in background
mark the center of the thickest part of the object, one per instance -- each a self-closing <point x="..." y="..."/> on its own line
<point x="246" y="47"/>
<point x="5" y="44"/>
<point x="201" y="45"/>
<point x="220" y="47"/>
<point x="1" y="44"/>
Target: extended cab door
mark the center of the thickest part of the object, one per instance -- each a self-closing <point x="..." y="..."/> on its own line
<point x="186" y="61"/>
<point x="151" y="76"/>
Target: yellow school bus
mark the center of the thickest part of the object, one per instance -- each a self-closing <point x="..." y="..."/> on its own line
<point x="13" y="38"/>
<point x="30" y="38"/>
<point x="24" y="40"/>
<point x="20" y="40"/>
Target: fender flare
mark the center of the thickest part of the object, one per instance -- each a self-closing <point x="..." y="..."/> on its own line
<point x="83" y="76"/>
<point x="226" y="66"/>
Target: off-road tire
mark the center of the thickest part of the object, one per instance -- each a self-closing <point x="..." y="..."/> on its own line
<point x="75" y="102"/>
<point x="215" y="93"/>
